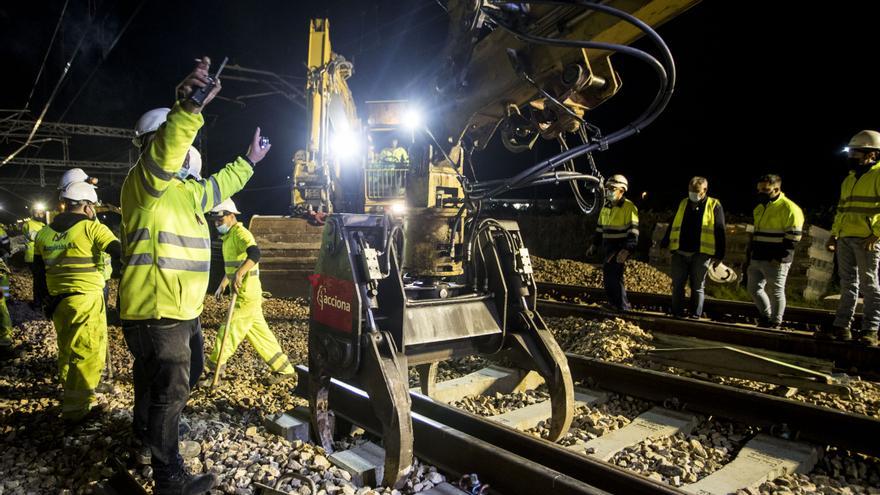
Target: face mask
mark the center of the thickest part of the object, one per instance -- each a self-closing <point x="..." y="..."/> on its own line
<point x="763" y="197"/>
<point x="609" y="195"/>
<point x="183" y="173"/>
<point x="223" y="228"/>
<point x="695" y="197"/>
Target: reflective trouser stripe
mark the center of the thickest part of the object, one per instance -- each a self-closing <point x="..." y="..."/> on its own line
<point x="58" y="270"/>
<point x="69" y="260"/>
<point x="274" y="358"/>
<point x="81" y="327"/>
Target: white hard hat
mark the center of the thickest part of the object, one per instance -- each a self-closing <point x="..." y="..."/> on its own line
<point x="195" y="163"/>
<point x="80" y="191"/>
<point x="722" y="274"/>
<point x="226" y="205"/>
<point x="149" y="122"/>
<point x="865" y="139"/>
<point x="617" y="180"/>
<point x="71" y="176"/>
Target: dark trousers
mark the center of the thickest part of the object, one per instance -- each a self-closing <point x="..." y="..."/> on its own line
<point x="168" y="359"/>
<point x="612" y="278"/>
<point x="37" y="297"/>
<point x="691" y="269"/>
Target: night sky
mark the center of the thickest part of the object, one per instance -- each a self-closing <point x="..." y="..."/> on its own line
<point x="762" y="87"/>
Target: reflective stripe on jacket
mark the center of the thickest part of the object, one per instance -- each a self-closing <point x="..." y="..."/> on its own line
<point x="167" y="249"/>
<point x="858" y="212"/>
<point x="73" y="257"/>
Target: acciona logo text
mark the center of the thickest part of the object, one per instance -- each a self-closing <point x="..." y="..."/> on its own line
<point x="332" y="301"/>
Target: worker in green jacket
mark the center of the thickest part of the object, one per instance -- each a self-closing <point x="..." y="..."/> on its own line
<point x="166" y="261"/>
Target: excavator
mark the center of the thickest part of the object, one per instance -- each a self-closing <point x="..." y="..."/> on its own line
<point x="439" y="280"/>
<point x="337" y="140"/>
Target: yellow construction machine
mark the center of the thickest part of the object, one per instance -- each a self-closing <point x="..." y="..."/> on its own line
<point x="346" y="166"/>
<point x="290" y="244"/>
<point x="441" y="280"/>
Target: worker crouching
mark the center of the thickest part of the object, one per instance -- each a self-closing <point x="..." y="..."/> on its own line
<point x="241" y="257"/>
<point x="618" y="234"/>
<point x="67" y="257"/>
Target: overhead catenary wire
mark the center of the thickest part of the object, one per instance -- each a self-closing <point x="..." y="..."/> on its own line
<point x="46" y="56"/>
<point x="42" y="115"/>
<point x="103" y="58"/>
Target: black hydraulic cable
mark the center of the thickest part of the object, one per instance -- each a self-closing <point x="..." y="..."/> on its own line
<point x="647" y="117"/>
<point x="666" y="72"/>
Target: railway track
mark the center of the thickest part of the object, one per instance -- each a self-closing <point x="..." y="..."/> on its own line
<point x="807" y="319"/>
<point x="513" y="461"/>
<point x="849" y="357"/>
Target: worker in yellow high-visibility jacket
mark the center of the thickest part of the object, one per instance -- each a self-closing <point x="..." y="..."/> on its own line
<point x="779" y="224"/>
<point x="695" y="237"/>
<point x="854" y="237"/>
<point x="66" y="256"/>
<point x="167" y="256"/>
<point x="394" y="155"/>
<point x="617" y="232"/>
<point x="241" y="258"/>
<point x="5" y="320"/>
<point x="29" y="229"/>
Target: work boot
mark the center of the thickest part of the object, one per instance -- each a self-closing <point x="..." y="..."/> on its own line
<point x="824" y="333"/>
<point x="142" y="454"/>
<point x="183" y="427"/>
<point x="94" y="413"/>
<point x="869" y="338"/>
<point x="208" y="375"/>
<point x="842" y="334"/>
<point x="183" y="483"/>
<point x="276" y="378"/>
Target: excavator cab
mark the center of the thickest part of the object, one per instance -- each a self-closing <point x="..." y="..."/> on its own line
<point x="388" y="161"/>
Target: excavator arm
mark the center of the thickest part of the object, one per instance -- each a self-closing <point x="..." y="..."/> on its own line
<point x="495" y="78"/>
<point x="333" y="127"/>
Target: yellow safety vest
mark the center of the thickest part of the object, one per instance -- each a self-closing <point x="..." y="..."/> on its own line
<point x="858" y="212"/>
<point x="235" y="244"/>
<point x="167" y="248"/>
<point x="72" y="257"/>
<point x="707" y="232"/>
<point x="394" y="155"/>
<point x="30" y="228"/>
<point x="619" y="221"/>
<point x="779" y="219"/>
